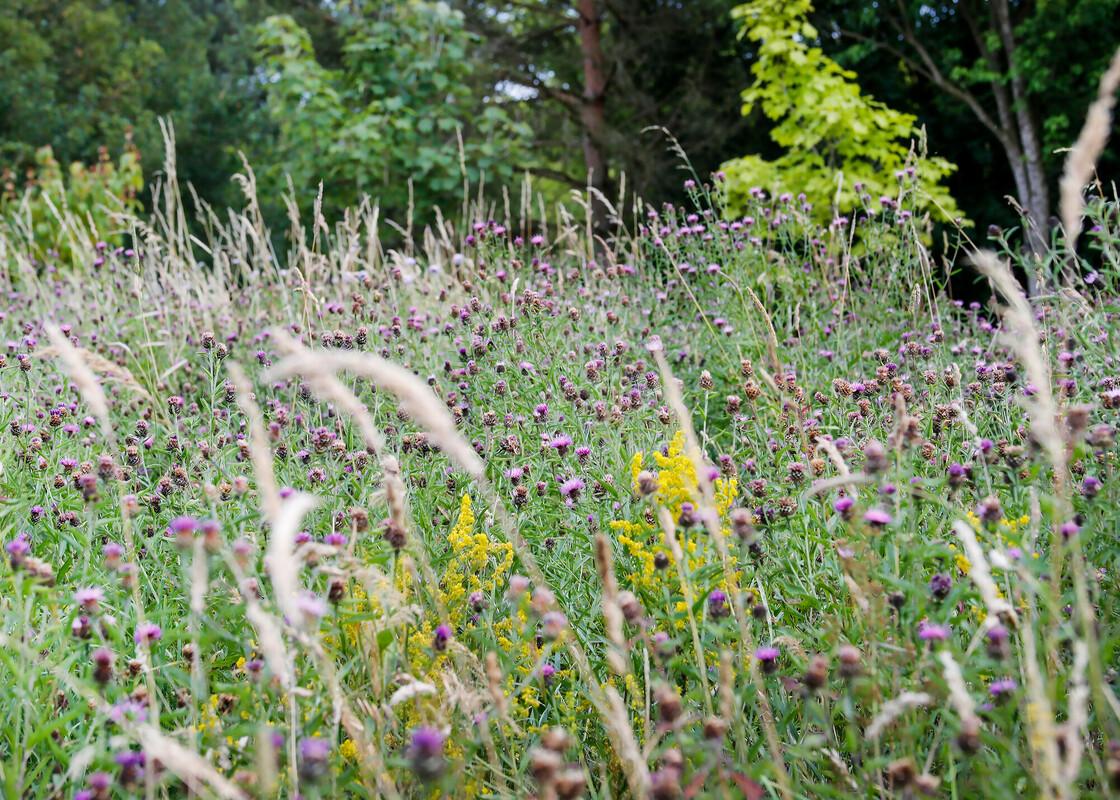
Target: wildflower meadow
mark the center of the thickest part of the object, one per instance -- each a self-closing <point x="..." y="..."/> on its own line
<point x="751" y="494"/>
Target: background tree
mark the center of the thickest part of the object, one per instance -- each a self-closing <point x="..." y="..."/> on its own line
<point x="398" y="120"/>
<point x="1000" y="84"/>
<point x="840" y="147"/>
<point x="660" y="63"/>
<point x="77" y="74"/>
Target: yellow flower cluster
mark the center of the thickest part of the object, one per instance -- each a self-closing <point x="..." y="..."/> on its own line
<point x="1005" y="525"/>
<point x="348" y="750"/>
<point x="477" y="564"/>
<point x="209" y="719"/>
<point x="472" y="555"/>
<point x="677" y="484"/>
<point x="1008" y="529"/>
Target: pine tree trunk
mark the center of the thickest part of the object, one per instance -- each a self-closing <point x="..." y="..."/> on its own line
<point x="593" y="108"/>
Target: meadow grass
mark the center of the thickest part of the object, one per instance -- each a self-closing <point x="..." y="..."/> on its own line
<point x="710" y="508"/>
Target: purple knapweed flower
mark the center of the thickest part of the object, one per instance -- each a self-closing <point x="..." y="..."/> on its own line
<point x="18" y="549"/>
<point x="717" y="604"/>
<point x="1002" y="688"/>
<point x="89" y="598"/>
<point x="929" y="632"/>
<point x="768" y="657"/>
<point x="182" y="528"/>
<point x="147" y="633"/>
<point x="425" y="753"/>
<point x="877" y="517"/>
<point x="441" y="637"/>
<point x="940" y="585"/>
<point x="561" y="443"/>
<point x="314" y="755"/>
<point x="571" y="488"/>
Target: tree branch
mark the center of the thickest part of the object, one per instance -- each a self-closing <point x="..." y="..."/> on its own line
<point x="927" y="67"/>
<point x="553" y="174"/>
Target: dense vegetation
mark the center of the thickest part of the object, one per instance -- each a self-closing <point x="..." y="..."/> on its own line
<point x="475" y="446"/>
<point x="727" y="506"/>
<point x="365" y="96"/>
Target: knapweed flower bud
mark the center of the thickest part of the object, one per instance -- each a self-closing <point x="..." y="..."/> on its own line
<point x="742" y="524"/>
<point x="211" y="531"/>
<point x="999" y="639"/>
<point x="989" y="510"/>
<point x="901" y="773"/>
<point x="359" y="519"/>
<point x="102" y="665"/>
<point x="665" y="784"/>
<point x="630" y="606"/>
<point x="543" y="600"/>
<point x="669" y="705"/>
<point x="557" y="740"/>
<point x="394" y="534"/>
<point x="518" y="586"/>
<point x="816" y="676"/>
<point x="544" y="764"/>
<point x="715" y="728"/>
<point x="968" y="738"/>
<point x="81" y="627"/>
<point x="850" y="661"/>
<point x="927" y="784"/>
<point x="874" y="457"/>
<point x="553" y="625"/>
<point x="570" y="784"/>
<point x="646" y="483"/>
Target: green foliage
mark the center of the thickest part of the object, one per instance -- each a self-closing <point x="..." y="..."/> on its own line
<point x="390" y="114"/>
<point x="833" y="135"/>
<point x="880" y="482"/>
<point x="91" y="193"/>
<point x="70" y="77"/>
<point x="669" y="66"/>
<point x="1062" y="47"/>
<point x="76" y="75"/>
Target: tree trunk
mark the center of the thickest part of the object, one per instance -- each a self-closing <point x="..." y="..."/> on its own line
<point x="593" y="109"/>
<point x="1036" y="197"/>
